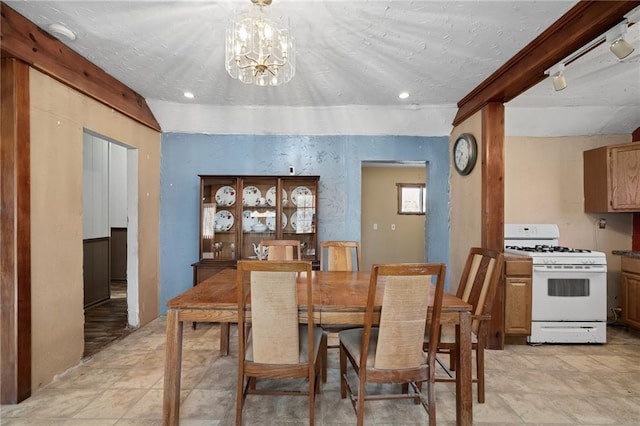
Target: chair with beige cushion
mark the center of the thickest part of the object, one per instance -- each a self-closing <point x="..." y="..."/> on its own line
<point x="478" y="284"/>
<point x="280" y="249"/>
<point x="338" y="256"/>
<point x="277" y="250"/>
<point x="392" y="352"/>
<point x="276" y="346"/>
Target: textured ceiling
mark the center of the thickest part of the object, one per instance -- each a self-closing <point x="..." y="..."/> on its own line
<point x="349" y="53"/>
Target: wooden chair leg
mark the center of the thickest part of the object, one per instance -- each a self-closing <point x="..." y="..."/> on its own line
<point x="312" y="401"/>
<point x="480" y="372"/>
<point x="343" y="372"/>
<point x="224" y="338"/>
<point x="452" y="360"/>
<point x="360" y="410"/>
<point x="431" y="396"/>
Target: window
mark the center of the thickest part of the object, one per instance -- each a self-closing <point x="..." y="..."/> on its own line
<point x="412" y="198"/>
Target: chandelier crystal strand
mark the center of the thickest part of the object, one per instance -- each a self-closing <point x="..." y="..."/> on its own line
<point x="258" y="50"/>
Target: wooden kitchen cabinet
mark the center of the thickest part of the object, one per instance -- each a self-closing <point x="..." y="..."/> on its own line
<point x="511" y="313"/>
<point x="611" y="175"/>
<point x="517" y="295"/>
<point x="630" y="291"/>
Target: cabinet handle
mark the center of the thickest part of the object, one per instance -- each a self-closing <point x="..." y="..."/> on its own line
<point x="518" y="284"/>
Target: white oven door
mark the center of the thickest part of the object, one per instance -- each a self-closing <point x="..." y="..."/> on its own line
<point x="569" y="293"/>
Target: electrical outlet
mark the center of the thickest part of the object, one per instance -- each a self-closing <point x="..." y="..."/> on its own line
<point x="602" y="223"/>
<point x="393" y="226"/>
<point x="375" y="226"/>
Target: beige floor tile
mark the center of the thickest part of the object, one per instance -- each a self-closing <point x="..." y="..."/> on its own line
<point x="526" y="384"/>
<point x="111" y="404"/>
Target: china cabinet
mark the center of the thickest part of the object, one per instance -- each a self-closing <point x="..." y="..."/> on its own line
<point x="237" y="212"/>
<point x="611" y="175"/>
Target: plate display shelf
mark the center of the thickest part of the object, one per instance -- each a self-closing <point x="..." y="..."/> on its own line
<point x="237" y="212"/>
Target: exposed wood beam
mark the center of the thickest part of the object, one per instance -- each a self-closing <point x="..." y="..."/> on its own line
<point x="492" y="221"/>
<point x="586" y="21"/>
<point x="15" y="232"/>
<point x="22" y="39"/>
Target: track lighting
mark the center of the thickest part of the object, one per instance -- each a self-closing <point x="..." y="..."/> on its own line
<point x="618" y="45"/>
<point x="557" y="77"/>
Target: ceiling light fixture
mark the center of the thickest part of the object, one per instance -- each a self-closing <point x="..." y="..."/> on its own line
<point x="618" y="45"/>
<point x="403" y="95"/>
<point x="60" y="30"/>
<point x="188" y="95"/>
<point x="557" y="75"/>
<point x="258" y="50"/>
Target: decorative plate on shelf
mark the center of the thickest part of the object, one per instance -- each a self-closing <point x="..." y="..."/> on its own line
<point x="251" y="196"/>
<point x="271" y="196"/>
<point x="224" y="220"/>
<point x="301" y="222"/>
<point x="300" y="193"/>
<point x="248" y="221"/>
<point x="226" y="196"/>
<point x="271" y="222"/>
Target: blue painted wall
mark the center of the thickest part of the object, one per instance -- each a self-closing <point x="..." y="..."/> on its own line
<point x="336" y="159"/>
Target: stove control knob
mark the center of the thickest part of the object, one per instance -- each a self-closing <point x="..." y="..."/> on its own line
<point x="549" y="261"/>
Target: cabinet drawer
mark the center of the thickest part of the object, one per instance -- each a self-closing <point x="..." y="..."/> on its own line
<point x="630" y="264"/>
<point x="517" y="267"/>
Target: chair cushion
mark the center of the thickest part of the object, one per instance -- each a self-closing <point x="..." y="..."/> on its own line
<point x="302" y="353"/>
<point x="352" y="341"/>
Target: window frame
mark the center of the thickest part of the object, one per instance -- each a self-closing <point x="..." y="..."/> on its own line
<point x="422" y="203"/>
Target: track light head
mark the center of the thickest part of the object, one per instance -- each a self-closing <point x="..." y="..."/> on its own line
<point x="557" y="77"/>
<point x="618" y="45"/>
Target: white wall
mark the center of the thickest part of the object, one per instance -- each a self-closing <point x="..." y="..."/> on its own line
<point x="95" y="187"/>
<point x="117" y="186"/>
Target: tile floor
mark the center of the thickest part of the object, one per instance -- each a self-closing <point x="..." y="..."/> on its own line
<point x="541" y="385"/>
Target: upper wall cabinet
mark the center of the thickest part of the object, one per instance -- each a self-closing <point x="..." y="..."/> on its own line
<point x="612" y="179"/>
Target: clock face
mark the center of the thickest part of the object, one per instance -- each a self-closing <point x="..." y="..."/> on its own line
<point x="465" y="153"/>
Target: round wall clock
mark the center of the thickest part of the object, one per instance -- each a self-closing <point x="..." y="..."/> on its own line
<point x="465" y="153"/>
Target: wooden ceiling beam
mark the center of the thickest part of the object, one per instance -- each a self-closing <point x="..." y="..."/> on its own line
<point x="585" y="22"/>
<point x="23" y="40"/>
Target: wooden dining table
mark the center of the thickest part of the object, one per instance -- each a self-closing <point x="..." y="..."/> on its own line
<point x="339" y="298"/>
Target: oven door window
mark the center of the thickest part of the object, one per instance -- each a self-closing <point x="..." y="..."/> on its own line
<point x="573" y="287"/>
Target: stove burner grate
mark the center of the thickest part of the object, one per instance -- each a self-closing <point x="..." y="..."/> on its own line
<point x="540" y="248"/>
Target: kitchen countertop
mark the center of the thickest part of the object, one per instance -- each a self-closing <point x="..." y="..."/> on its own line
<point x="628" y="253"/>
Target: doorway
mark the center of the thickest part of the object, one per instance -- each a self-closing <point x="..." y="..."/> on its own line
<point x="389" y="236"/>
<point x="109" y="240"/>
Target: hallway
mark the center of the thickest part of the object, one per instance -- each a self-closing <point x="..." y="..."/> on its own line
<point x="106" y="321"/>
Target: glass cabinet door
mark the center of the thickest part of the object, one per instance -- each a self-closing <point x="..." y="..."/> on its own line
<point x="259" y="213"/>
<point x="219" y="224"/>
<point x="299" y="212"/>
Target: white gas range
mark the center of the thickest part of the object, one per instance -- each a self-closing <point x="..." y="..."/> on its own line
<point x="569" y="288"/>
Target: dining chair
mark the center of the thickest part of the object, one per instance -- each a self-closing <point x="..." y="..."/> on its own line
<point x="478" y="284"/>
<point x="392" y="352"/>
<point x="340" y="256"/>
<point x="280" y="249"/>
<point x="277" y="250"/>
<point x="277" y="346"/>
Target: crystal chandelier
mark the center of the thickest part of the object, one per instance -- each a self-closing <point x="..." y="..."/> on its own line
<point x="258" y="50"/>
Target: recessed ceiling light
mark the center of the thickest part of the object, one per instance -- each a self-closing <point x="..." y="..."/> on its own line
<point x="59" y="30"/>
<point x="403" y="95"/>
<point x="189" y="95"/>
